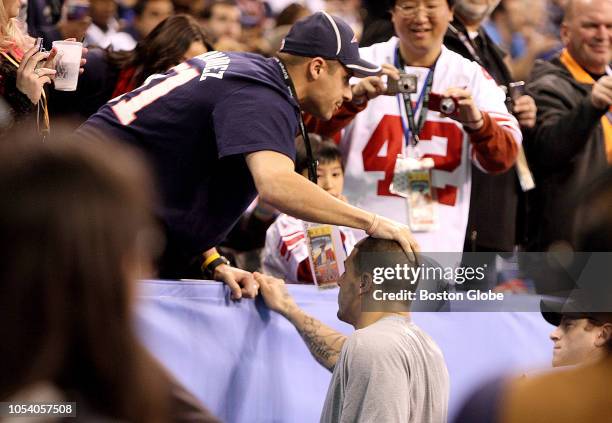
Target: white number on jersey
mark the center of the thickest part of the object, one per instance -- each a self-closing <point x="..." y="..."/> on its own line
<point x="126" y="109"/>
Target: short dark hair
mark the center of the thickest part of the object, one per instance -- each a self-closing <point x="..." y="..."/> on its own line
<point x="323" y="150"/>
<point x="206" y="13"/>
<point x="289" y="15"/>
<point x="141" y="5"/>
<point x="392" y="3"/>
<point x="376" y="253"/>
<point x="162" y="48"/>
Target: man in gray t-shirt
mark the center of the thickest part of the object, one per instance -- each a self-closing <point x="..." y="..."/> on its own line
<point x="388" y="370"/>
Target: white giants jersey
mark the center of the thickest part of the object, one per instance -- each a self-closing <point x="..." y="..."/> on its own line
<point x="286" y="252"/>
<point x="371" y="143"/>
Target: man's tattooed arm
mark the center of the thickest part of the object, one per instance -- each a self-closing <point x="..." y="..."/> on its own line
<point x="323" y="342"/>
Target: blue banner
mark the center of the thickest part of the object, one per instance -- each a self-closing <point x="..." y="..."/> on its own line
<point x="249" y="365"/>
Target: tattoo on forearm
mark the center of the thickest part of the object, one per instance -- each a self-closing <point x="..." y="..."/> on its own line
<point x="285" y="292"/>
<point x="324" y="347"/>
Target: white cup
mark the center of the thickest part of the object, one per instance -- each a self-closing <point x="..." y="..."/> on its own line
<point x="67" y="64"/>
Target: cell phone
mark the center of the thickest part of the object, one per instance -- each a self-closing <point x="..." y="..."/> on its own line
<point x="39" y="44"/>
<point x="516" y="89"/>
<point x="439" y="103"/>
<point x="407" y="84"/>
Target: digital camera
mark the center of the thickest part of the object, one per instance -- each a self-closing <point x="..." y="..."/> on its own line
<point x="513" y="91"/>
<point x="447" y="105"/>
<point x="407" y="84"/>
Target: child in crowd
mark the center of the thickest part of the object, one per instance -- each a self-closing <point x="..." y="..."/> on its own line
<point x="286" y="252"/>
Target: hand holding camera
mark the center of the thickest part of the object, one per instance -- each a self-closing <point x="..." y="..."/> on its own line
<point x="525" y="110"/>
<point x="466" y="112"/>
<point x="404" y="84"/>
<point x="407" y="84"/>
<point x="448" y="106"/>
<point x="373" y="86"/>
<point x="522" y="106"/>
<point x="455" y="103"/>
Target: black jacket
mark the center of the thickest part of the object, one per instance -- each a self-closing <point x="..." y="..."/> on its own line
<point x="567" y="149"/>
<point x="16" y="109"/>
<point x="42" y="19"/>
<point x="492" y="222"/>
<point x="96" y="86"/>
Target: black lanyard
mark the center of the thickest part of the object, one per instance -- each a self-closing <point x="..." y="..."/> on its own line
<point x="312" y="163"/>
<point x="468" y="44"/>
<point x="415" y="127"/>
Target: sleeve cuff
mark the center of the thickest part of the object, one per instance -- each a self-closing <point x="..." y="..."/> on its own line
<point x="481" y="135"/>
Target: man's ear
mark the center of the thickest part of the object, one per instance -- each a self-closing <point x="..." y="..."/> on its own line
<point x="564" y="34"/>
<point x="392" y="13"/>
<point x="315" y="66"/>
<point x="365" y="283"/>
<point x="604" y="336"/>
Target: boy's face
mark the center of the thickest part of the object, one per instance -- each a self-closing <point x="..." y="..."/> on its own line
<point x="153" y="13"/>
<point x="330" y="177"/>
<point x="101" y="11"/>
<point x="574" y="342"/>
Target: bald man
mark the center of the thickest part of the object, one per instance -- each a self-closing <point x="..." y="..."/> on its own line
<point x="572" y="140"/>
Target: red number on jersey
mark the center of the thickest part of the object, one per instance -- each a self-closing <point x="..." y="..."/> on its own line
<point x="390" y="132"/>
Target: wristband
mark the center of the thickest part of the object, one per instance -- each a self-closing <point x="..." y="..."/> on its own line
<point x="470" y="130"/>
<point x="209" y="270"/>
<point x="210" y="259"/>
<point x="373" y="225"/>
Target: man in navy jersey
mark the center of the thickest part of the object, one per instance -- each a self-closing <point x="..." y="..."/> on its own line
<point x="220" y="128"/>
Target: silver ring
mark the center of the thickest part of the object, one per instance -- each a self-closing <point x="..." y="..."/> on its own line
<point x="37" y="72"/>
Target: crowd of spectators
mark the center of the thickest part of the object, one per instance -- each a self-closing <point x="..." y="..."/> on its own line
<point x="259" y="26"/>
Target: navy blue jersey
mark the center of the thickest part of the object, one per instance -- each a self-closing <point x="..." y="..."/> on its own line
<point x="196" y="123"/>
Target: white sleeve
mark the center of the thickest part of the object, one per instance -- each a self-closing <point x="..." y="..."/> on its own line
<point x="285" y="248"/>
<point x="272" y="262"/>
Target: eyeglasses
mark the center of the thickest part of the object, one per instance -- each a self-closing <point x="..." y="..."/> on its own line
<point x="409" y="10"/>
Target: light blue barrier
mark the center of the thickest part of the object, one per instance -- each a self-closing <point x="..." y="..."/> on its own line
<point x="249" y="365"/>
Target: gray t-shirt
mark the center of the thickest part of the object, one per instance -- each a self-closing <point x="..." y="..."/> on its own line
<point x="390" y="371"/>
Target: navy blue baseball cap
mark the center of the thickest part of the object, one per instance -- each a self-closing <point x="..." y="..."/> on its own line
<point x="329" y="37"/>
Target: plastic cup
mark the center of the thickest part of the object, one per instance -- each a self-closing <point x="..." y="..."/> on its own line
<point x="67" y="64"/>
